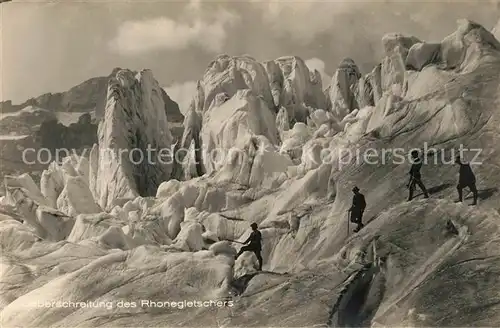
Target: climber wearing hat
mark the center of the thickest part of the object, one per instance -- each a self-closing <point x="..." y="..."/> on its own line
<point x="415" y="177"/>
<point x="255" y="245"/>
<point x="466" y="179"/>
<point x="357" y="208"/>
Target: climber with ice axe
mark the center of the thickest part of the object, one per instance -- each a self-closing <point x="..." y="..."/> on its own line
<point x="357" y="209"/>
<point x="255" y="245"/>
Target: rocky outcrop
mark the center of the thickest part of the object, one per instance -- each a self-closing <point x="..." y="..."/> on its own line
<point x="7" y="106"/>
<point x="53" y="135"/>
<point x="84" y="97"/>
<point x="25" y="121"/>
<point x="172" y="110"/>
<point x="133" y="138"/>
<point x="87" y="96"/>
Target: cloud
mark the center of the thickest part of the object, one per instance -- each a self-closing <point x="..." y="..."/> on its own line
<point x="349" y="23"/>
<point x="199" y="29"/>
<point x="302" y="21"/>
<point x="319" y="65"/>
<point x="194" y="5"/>
<point x="182" y="94"/>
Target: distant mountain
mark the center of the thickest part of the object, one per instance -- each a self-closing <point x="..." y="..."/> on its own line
<point x="63" y="120"/>
<point x="84" y="97"/>
<point x="89" y="96"/>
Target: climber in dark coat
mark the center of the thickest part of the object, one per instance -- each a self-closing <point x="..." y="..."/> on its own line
<point x="357" y="208"/>
<point x="466" y="179"/>
<point x="255" y="240"/>
<point x="415" y="177"/>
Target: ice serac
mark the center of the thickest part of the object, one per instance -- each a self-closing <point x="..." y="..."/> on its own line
<point x="469" y="48"/>
<point x="496" y="30"/>
<point x="455" y="51"/>
<point x="232" y="123"/>
<point x="283" y="82"/>
<point x="393" y="69"/>
<point x="317" y="90"/>
<point x="227" y="75"/>
<point x="187" y="167"/>
<point x="341" y="98"/>
<point x="76" y="197"/>
<point x="294" y="87"/>
<point x="131" y="134"/>
<point x="276" y="80"/>
<point x="282" y="122"/>
<point x="469" y="38"/>
<point x="422" y="54"/>
<point x="363" y="92"/>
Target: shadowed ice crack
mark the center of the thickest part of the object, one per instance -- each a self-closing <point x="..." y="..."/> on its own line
<point x="360" y="298"/>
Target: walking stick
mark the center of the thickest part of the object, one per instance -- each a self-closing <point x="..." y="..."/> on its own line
<point x="348" y="219"/>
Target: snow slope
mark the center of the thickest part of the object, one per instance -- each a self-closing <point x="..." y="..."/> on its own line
<point x="27" y="109"/>
<point x="66" y="118"/>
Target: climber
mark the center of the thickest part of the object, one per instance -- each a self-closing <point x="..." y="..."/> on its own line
<point x="466" y="179"/>
<point x="255" y="246"/>
<point x="415" y="177"/>
<point x="357" y="208"/>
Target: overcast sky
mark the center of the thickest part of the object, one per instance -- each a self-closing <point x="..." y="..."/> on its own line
<point x="50" y="47"/>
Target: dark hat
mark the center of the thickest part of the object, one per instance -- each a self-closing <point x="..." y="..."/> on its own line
<point x="415" y="153"/>
<point x="254" y="225"/>
<point x="355" y="188"/>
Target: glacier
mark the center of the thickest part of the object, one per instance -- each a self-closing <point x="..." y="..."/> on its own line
<point x="113" y="231"/>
